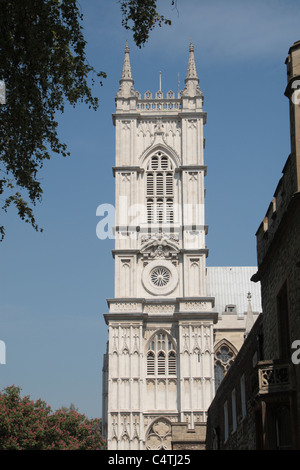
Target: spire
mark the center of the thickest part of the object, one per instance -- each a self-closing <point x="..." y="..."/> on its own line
<point x="126" y="72"/>
<point x="126" y="83"/>
<point x="249" y="319"/>
<point x="191" y="81"/>
<point x="191" y="71"/>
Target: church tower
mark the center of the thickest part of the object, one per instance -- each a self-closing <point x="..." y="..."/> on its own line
<point x="159" y="365"/>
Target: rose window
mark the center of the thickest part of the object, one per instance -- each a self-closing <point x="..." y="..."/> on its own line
<point x="160" y="276"/>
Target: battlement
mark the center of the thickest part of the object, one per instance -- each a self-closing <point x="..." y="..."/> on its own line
<point x="283" y="195"/>
<point x="158" y="102"/>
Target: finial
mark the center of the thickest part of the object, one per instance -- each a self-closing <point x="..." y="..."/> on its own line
<point x="191" y="45"/>
<point x="126" y="47"/>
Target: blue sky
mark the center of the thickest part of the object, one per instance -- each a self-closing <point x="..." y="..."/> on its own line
<point x="54" y="285"/>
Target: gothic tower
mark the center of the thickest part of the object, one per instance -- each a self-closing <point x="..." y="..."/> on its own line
<point x="159" y="365"/>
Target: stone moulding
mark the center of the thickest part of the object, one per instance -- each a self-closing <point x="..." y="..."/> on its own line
<point x="186" y="304"/>
<point x="159" y="308"/>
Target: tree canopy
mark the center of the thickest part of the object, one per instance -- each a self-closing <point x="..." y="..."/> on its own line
<point x="141" y="16"/>
<point x="26" y="424"/>
<point x="44" y="66"/>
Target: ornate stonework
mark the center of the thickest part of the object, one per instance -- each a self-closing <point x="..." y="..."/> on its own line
<point x="159" y="308"/>
<point x="159" y="361"/>
<point x="159" y="435"/>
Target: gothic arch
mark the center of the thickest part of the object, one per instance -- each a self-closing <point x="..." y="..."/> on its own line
<point x="163" y="148"/>
<point x="226" y="343"/>
<point x="160" y="186"/>
<point x="161" y="355"/>
<point x="224" y="354"/>
<point x="157" y="332"/>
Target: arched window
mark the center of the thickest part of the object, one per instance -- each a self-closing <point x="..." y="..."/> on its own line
<point x="150" y="213"/>
<point x="150" y="189"/>
<point x="169" y="184"/>
<point x="160" y="189"/>
<point x="169" y="211"/>
<point x="161" y="356"/>
<point x="164" y="163"/>
<point x="172" y="363"/>
<point x="224" y="357"/>
<point x="150" y="363"/>
<point x="154" y="163"/>
<point x="159" y="184"/>
<point x="161" y="363"/>
<point x="160" y="211"/>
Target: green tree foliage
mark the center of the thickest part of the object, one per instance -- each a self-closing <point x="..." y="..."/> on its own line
<point x="32" y="425"/>
<point x="141" y="16"/>
<point x="43" y="65"/>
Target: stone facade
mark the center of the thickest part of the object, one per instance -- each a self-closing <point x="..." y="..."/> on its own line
<point x="159" y="366"/>
<point x="159" y="369"/>
<point x="273" y="401"/>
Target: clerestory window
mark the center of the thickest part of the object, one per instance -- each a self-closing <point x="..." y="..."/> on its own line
<point x="160" y="190"/>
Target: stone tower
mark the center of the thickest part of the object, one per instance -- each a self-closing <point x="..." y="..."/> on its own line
<point x="159" y="365"/>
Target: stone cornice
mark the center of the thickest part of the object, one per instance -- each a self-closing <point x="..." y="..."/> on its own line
<point x="193" y="114"/>
<point x="120" y="114"/>
<point x="160" y="309"/>
<point x="191" y="168"/>
<point x="125" y="252"/>
<point x="127" y="169"/>
<point x="199" y="251"/>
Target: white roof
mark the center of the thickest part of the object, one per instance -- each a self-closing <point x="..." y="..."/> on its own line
<point x="230" y="286"/>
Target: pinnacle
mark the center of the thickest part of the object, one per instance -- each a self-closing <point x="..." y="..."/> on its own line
<point x="126" y="71"/>
<point x="191" y="71"/>
<point x="249" y="318"/>
<point x="191" y="81"/>
<point x="126" y="89"/>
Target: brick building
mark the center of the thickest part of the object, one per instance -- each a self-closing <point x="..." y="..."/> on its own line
<point x="257" y="406"/>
